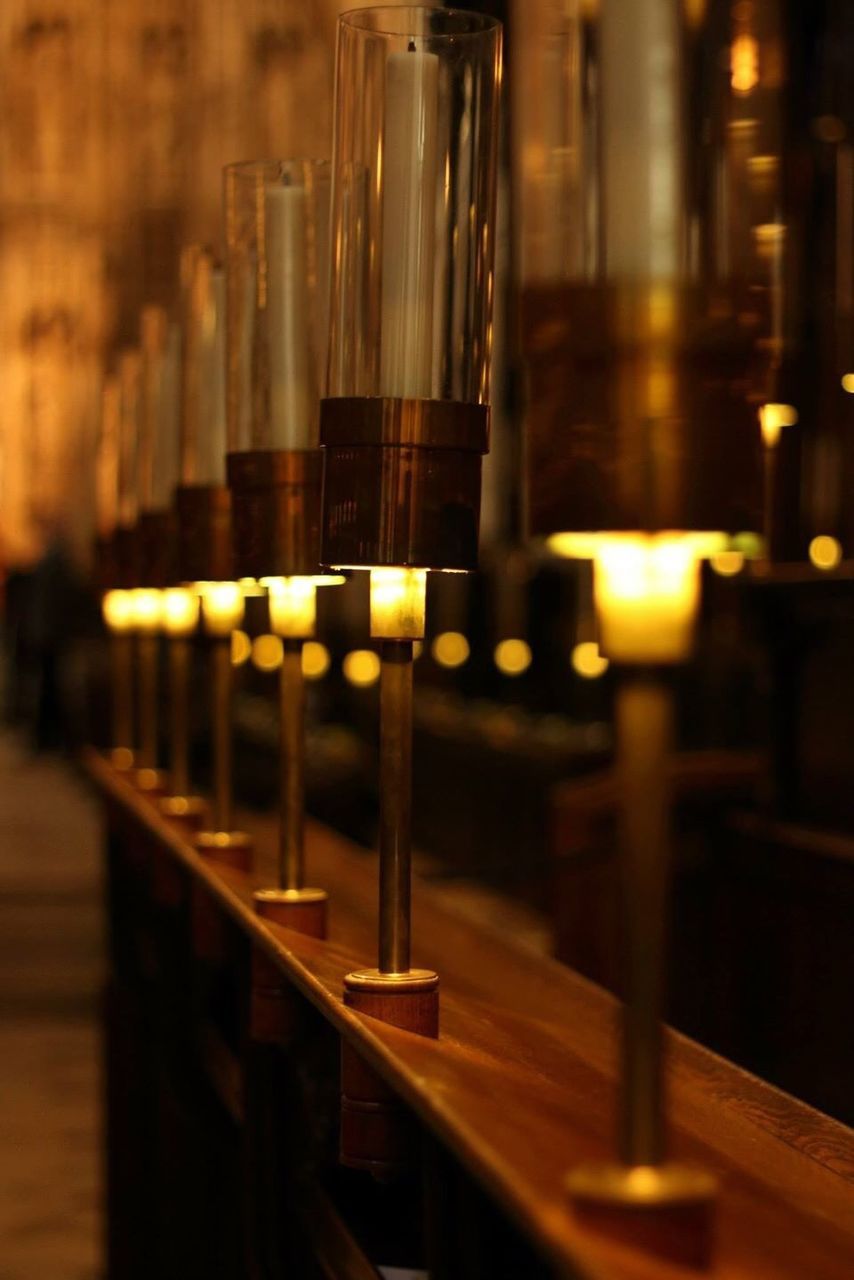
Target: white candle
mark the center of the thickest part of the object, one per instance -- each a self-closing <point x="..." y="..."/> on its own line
<point x="293" y="392"/>
<point x="410" y="187"/>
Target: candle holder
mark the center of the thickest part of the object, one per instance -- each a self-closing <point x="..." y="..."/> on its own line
<point x="277" y="222"/>
<point x="115" y="601"/>
<point x="651" y="317"/>
<point x="405" y="421"/>
<point x="203" y="503"/>
<point x="156" y="467"/>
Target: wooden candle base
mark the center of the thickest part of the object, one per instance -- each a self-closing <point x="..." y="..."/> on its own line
<point x="121" y="758"/>
<point x="304" y="910"/>
<point x="377" y="1133"/>
<point x="152" y="782"/>
<point x="666" y="1209"/>
<point x="273" y="1009"/>
<point x="187" y="812"/>
<point x="232" y="848"/>
<point x="207" y="928"/>
<point x="168" y="888"/>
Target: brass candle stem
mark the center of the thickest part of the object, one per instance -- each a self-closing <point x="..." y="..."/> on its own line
<point x="769" y="453"/>
<point x="644" y="729"/>
<point x="179" y="672"/>
<point x="657" y="1203"/>
<point x="121" y="665"/>
<point x="292" y="763"/>
<point x="147" y="701"/>
<point x="395" y="847"/>
<point x="221" y="694"/>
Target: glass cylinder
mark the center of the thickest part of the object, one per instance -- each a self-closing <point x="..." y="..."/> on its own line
<point x="277" y="256"/>
<point x="203" y="434"/>
<point x="405" y="421"/>
<point x="647" y="154"/>
<point x="129" y="374"/>
<point x="160" y="341"/>
<point x="107" y="459"/>
<point x="414" y="203"/>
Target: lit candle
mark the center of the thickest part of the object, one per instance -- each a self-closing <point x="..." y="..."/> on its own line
<point x="410" y="186"/>
<point x="293" y="396"/>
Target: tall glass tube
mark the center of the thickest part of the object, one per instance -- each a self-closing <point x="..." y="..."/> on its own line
<point x="646" y="154"/>
<point x="203" y="433"/>
<point x="413" y="204"/>
<point x="413" y="218"/>
<point x="277" y="233"/>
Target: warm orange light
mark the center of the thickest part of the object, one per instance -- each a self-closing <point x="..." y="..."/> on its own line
<point x="315" y="660"/>
<point x="293" y="607"/>
<point x="647" y="593"/>
<point x="727" y="563"/>
<point x="772" y="419"/>
<point x="450" y="649"/>
<point x="825" y="552"/>
<point x="398" y="601"/>
<point x="848" y="383"/>
<point x="117" y="611"/>
<point x="512" y="656"/>
<point x="267" y="652"/>
<point x="361" y="668"/>
<point x="180" y="611"/>
<point x="222" y="607"/>
<point x="744" y="64"/>
<point x="587" y="661"/>
<point x="241" y="647"/>
<point x="646" y="588"/>
<point x="147" y="609"/>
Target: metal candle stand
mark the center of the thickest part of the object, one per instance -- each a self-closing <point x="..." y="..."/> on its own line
<point x="401" y="487"/>
<point x="276" y="534"/>
<point x="204" y="555"/>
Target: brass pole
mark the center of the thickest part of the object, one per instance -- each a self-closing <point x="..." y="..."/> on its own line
<point x="395" y="805"/>
<point x="644" y="729"/>
<point x="221" y="691"/>
<point x="148" y="654"/>
<point x="292" y="763"/>
<point x="121" y="661"/>
<point x="179" y="672"/>
<point x="770" y="498"/>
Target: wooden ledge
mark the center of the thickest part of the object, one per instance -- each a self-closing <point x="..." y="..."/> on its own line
<point x="520" y="1086"/>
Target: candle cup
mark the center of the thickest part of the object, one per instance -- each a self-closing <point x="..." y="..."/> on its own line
<point x="405" y="420"/>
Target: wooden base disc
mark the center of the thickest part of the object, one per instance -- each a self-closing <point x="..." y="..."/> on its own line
<point x="207" y="928"/>
<point x="407" y="1000"/>
<point x="377" y="1132"/>
<point x="274" y="1006"/>
<point x="233" y="848"/>
<point x="188" y="812"/>
<point x="168" y="887"/>
<point x="666" y="1209"/>
<point x="153" y="782"/>
<point x="303" y="910"/>
<point x="121" y="758"/>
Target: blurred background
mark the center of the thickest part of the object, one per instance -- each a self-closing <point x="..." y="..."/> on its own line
<point x="116" y="118"/>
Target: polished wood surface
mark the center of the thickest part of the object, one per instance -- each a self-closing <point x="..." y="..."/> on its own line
<point x="520" y="1084"/>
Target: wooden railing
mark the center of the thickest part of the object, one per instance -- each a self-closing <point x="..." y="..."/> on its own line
<point x="223" y="1048"/>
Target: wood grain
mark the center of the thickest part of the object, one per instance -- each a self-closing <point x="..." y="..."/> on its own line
<point x="520" y="1084"/>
